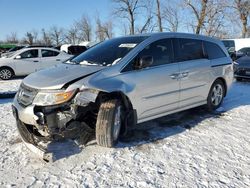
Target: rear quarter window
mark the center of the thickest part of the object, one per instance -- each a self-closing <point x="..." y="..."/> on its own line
<point x="49" y="53"/>
<point x="188" y="49"/>
<point x="213" y="50"/>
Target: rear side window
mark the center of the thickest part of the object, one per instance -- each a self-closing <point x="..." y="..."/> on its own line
<point x="49" y="53"/>
<point x="213" y="50"/>
<point x="188" y="49"/>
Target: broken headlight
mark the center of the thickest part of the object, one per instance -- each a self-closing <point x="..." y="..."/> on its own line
<point x="53" y="97"/>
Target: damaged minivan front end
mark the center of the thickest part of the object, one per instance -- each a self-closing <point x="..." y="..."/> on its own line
<point x="79" y="100"/>
<point x="50" y="115"/>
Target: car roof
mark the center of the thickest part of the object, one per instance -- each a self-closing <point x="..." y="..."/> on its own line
<point x="37" y="48"/>
<point x="177" y="34"/>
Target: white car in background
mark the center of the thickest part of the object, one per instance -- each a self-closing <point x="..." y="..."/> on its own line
<point x="29" y="60"/>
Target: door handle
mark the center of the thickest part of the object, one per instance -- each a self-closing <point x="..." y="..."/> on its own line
<point x="175" y="76"/>
<point x="36" y="61"/>
<point x="184" y="74"/>
<point x="58" y="59"/>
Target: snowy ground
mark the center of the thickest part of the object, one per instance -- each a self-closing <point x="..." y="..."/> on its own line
<point x="188" y="149"/>
<point x="10" y="85"/>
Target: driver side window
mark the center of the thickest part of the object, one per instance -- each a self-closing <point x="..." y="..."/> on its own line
<point x="161" y="51"/>
<point x="29" y="54"/>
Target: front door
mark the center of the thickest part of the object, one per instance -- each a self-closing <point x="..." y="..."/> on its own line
<point x="28" y="62"/>
<point x="156" y="88"/>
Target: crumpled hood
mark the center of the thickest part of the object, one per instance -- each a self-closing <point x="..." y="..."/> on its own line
<point x="56" y="77"/>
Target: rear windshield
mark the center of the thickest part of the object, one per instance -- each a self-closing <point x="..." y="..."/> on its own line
<point x="108" y="52"/>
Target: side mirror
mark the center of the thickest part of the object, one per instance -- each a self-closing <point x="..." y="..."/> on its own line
<point x="143" y="62"/>
<point x="18" y="57"/>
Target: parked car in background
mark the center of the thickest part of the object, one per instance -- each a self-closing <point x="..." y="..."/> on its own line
<point x="121" y="82"/>
<point x="234" y="45"/>
<point x="12" y="50"/>
<point x="243" y="52"/>
<point x="28" y="60"/>
<point x="242" y="68"/>
<point x="73" y="49"/>
<point x="19" y="47"/>
<point x="5" y="47"/>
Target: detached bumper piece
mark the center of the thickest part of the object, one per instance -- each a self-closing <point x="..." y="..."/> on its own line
<point x="54" y="147"/>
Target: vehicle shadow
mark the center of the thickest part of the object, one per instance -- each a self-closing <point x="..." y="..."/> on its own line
<point x="59" y="150"/>
<point x="158" y="129"/>
<point x="14" y="78"/>
<point x="177" y="123"/>
<point x="6" y="100"/>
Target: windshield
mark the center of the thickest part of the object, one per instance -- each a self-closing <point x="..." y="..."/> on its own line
<point x="108" y="52"/>
<point x="11" y="54"/>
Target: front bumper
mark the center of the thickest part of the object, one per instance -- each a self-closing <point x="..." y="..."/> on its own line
<point x="25" y="114"/>
<point x="28" y="124"/>
<point x="242" y="76"/>
<point x="241" y="72"/>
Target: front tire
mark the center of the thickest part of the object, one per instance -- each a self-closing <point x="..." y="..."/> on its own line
<point x="6" y="73"/>
<point x="216" y="95"/>
<point x="109" y="123"/>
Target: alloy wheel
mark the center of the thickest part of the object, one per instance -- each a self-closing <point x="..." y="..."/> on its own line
<point x="217" y="95"/>
<point x="5" y="74"/>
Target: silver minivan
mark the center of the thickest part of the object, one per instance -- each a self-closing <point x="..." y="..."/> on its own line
<point x="119" y="83"/>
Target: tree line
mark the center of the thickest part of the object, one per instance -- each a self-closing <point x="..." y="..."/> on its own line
<point x="217" y="18"/>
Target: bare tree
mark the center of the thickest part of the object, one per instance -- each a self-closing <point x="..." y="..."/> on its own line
<point x="200" y="11"/>
<point x="12" y="38"/>
<point x="72" y="35"/>
<point x="104" y="30"/>
<point x="99" y="30"/>
<point x="215" y="18"/>
<point x="128" y="9"/>
<point x="148" y="24"/>
<point x="171" y="17"/>
<point x="84" y="28"/>
<point x="243" y="9"/>
<point x="56" y="35"/>
<point x="46" y="37"/>
<point x="31" y="37"/>
<point x="159" y="16"/>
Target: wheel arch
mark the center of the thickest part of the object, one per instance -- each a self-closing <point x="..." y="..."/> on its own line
<point x="8" y="67"/>
<point x="131" y="112"/>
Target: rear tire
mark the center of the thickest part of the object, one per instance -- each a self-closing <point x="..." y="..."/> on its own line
<point x="216" y="95"/>
<point x="109" y="123"/>
<point x="6" y="73"/>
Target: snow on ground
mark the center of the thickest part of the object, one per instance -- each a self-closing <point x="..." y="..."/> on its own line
<point x="188" y="149"/>
<point x="10" y="85"/>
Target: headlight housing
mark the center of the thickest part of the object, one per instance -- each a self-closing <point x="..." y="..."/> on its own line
<point x="53" y="97"/>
